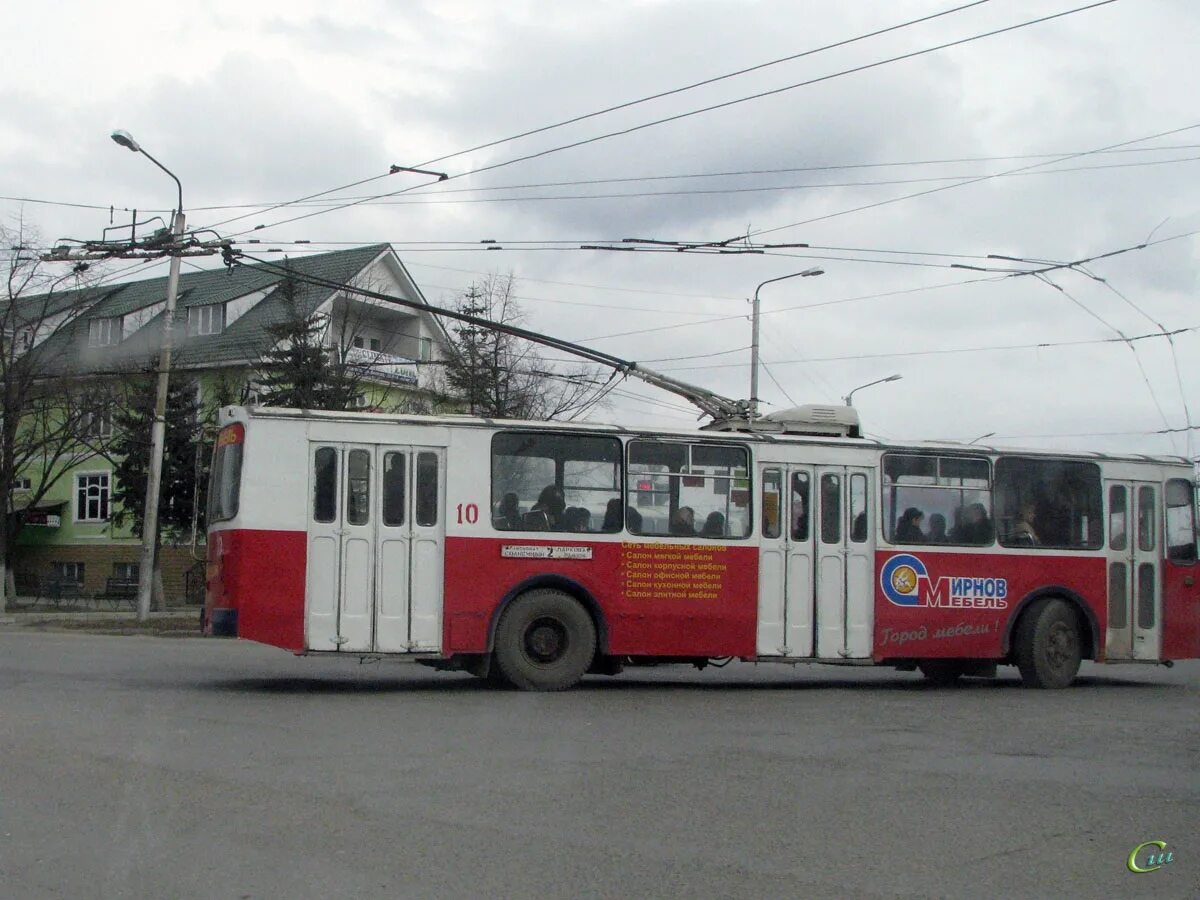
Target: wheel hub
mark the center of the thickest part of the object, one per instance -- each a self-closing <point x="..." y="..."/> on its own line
<point x="545" y="640"/>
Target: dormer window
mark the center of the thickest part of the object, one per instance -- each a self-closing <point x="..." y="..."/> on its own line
<point x="207" y="319"/>
<point x="104" y="332"/>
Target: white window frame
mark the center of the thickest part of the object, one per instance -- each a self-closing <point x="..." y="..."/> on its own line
<point x="425" y="349"/>
<point x="98" y="423"/>
<point x="22" y="483"/>
<point x="104" y="502"/>
<point x="206" y="319"/>
<point x="104" y="332"/>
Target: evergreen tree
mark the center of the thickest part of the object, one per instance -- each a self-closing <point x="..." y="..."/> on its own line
<point x="301" y="372"/>
<point x="185" y="460"/>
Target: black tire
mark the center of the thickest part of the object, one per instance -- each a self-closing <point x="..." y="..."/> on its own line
<point x="1049" y="646"/>
<point x="941" y="672"/>
<point x="545" y="641"/>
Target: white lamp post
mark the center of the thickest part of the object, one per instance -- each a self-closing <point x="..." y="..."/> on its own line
<point x="159" y="427"/>
<point x="850" y="395"/>
<point x="807" y="273"/>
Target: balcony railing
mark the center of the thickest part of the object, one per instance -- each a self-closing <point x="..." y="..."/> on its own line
<point x="383" y="366"/>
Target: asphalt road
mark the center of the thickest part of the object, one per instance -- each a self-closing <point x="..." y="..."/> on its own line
<point x="156" y="767"/>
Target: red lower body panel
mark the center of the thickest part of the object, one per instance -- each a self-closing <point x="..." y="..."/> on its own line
<point x="260" y="574"/>
<point x="657" y="599"/>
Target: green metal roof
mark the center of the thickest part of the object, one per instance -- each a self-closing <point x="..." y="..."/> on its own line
<point x="246" y="339"/>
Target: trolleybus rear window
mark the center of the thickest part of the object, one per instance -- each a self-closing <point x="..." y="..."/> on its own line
<point x="224" y="484"/>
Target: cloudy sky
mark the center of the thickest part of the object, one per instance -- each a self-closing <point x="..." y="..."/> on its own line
<point x="1088" y="124"/>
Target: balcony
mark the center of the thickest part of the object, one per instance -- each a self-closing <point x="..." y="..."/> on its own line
<point x="382" y="366"/>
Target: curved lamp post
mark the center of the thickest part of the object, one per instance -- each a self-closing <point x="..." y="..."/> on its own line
<point x="850" y="396"/>
<point x="158" y="428"/>
<point x="807" y="273"/>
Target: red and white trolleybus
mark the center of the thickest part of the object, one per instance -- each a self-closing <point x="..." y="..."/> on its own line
<point x="538" y="552"/>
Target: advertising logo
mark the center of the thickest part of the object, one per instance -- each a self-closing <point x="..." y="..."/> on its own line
<point x="1143" y="858"/>
<point x="906" y="581"/>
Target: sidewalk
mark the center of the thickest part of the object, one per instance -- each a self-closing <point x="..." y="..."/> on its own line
<point x="176" y="622"/>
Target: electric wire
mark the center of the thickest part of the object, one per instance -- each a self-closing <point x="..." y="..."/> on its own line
<point x="679" y="116"/>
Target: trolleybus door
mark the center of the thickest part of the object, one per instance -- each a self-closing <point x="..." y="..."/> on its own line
<point x="341" y="548"/>
<point x="1134" y="589"/>
<point x="844" y="562"/>
<point x="785" y="578"/>
<point x="410" y="549"/>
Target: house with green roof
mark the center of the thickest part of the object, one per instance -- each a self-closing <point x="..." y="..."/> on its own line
<point x="222" y="331"/>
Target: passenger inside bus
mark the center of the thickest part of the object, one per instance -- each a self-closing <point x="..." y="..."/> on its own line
<point x="973" y="525"/>
<point x="714" y="526"/>
<point x="612" y="516"/>
<point x="508" y="513"/>
<point x="633" y="520"/>
<point x="576" y="518"/>
<point x="684" y="521"/>
<point x="937" y="529"/>
<point x="1023" y="534"/>
<point x="551" y="505"/>
<point x="908" y="529"/>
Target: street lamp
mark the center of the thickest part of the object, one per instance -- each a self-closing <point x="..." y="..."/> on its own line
<point x="159" y="427"/>
<point x="850" y="395"/>
<point x="807" y="273"/>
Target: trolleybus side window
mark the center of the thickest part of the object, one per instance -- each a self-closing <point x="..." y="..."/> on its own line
<point x="226" y="478"/>
<point x="427" y="489"/>
<point x="858" y="508"/>
<point x="772" y="502"/>
<point x="393" y="489"/>
<point x="937" y="499"/>
<point x="690" y="490"/>
<point x="325" y="484"/>
<point x="831" y="509"/>
<point x="1048" y="503"/>
<point x="358" y="487"/>
<point x="556" y="482"/>
<point x="1180" y="502"/>
<point x="800" y="506"/>
<point x="1117" y="516"/>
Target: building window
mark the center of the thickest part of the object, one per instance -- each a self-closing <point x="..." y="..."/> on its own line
<point x="22" y="484"/>
<point x="97" y="424"/>
<point x="67" y="571"/>
<point x="91" y="497"/>
<point x="104" y="332"/>
<point x="125" y="571"/>
<point x="376" y="346"/>
<point x="426" y="349"/>
<point x="359" y="343"/>
<point x="207" y="319"/>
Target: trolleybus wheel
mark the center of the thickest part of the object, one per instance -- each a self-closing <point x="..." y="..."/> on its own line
<point x="545" y="641"/>
<point x="1049" y="647"/>
<point x="941" y="672"/>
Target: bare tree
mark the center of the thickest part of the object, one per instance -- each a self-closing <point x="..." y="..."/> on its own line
<point x="46" y="416"/>
<point x="499" y="375"/>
